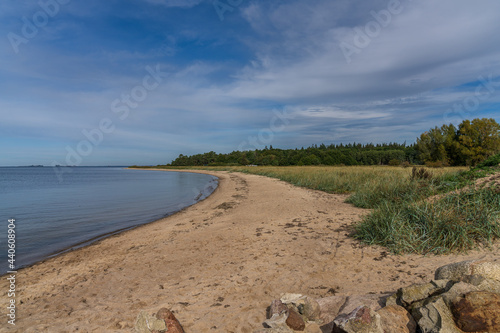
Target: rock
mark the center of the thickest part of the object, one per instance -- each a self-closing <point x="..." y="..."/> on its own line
<point x="393" y="300"/>
<point x="329" y="310"/>
<point x="457" y="271"/>
<point x="278" y="323"/>
<point x="295" y="321"/>
<point x="312" y="328"/>
<point x="395" y="319"/>
<point x="277" y="307"/>
<point x="330" y="307"/>
<point x="304" y="305"/>
<point x="311" y="310"/>
<point x="478" y="311"/>
<point x="145" y="323"/>
<point x="482" y="283"/>
<point x="456" y="292"/>
<point x="374" y="302"/>
<point x="274" y="330"/>
<point x="172" y="324"/>
<point x="417" y="292"/>
<point x="361" y="320"/>
<point x="435" y="317"/>
<point x="291" y="298"/>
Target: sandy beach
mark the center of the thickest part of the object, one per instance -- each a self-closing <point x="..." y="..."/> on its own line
<point x="217" y="264"/>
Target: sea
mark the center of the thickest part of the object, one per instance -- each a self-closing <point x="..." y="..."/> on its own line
<point x="56" y="211"/>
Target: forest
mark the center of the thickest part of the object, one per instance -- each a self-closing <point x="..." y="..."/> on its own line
<point x="468" y="144"/>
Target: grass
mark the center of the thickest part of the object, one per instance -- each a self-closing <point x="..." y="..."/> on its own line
<point x="455" y="223"/>
<point x="402" y="219"/>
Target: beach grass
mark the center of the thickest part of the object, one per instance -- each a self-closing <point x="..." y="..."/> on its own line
<point x="403" y="218"/>
<point x="457" y="222"/>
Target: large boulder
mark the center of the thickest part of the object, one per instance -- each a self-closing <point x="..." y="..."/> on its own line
<point x="478" y="311"/>
<point x="457" y="271"/>
<point x="395" y="319"/>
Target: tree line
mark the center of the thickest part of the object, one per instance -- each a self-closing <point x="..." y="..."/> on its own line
<point x="468" y="144"/>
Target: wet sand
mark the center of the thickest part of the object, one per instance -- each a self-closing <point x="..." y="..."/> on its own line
<point x="217" y="264"/>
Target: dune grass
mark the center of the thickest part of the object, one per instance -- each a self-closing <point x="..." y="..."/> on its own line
<point x="402" y="219"/>
<point x="457" y="222"/>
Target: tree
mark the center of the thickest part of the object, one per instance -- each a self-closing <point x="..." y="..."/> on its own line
<point x="478" y="139"/>
<point x="471" y="143"/>
<point x="431" y="145"/>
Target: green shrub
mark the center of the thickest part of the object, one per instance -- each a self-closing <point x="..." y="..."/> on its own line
<point x="492" y="161"/>
<point x="394" y="162"/>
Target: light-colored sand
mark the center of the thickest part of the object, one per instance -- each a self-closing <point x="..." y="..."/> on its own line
<point x="217" y="264"/>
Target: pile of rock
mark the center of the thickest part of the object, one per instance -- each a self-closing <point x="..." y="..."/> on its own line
<point x="463" y="297"/>
<point x="163" y="321"/>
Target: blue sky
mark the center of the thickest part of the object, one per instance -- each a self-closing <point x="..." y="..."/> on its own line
<point x="123" y="82"/>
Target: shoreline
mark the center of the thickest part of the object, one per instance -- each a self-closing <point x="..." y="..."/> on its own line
<point x="218" y="263"/>
<point x="98" y="238"/>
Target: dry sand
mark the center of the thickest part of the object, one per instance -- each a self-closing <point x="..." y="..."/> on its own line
<point x="217" y="264"/>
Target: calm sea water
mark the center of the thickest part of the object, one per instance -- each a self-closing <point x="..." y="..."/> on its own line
<point x="89" y="204"/>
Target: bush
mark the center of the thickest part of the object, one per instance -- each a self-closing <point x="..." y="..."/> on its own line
<point x="394" y="162"/>
<point x="406" y="164"/>
<point x="490" y="162"/>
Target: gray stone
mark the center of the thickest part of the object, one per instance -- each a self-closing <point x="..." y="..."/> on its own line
<point x="278" y="323"/>
<point x="456" y="292"/>
<point x="482" y="283"/>
<point x="417" y="292"/>
<point x="435" y="317"/>
<point x="393" y="300"/>
<point x="457" y="271"/>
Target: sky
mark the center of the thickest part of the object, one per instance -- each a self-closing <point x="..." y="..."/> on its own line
<point x="124" y="82"/>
